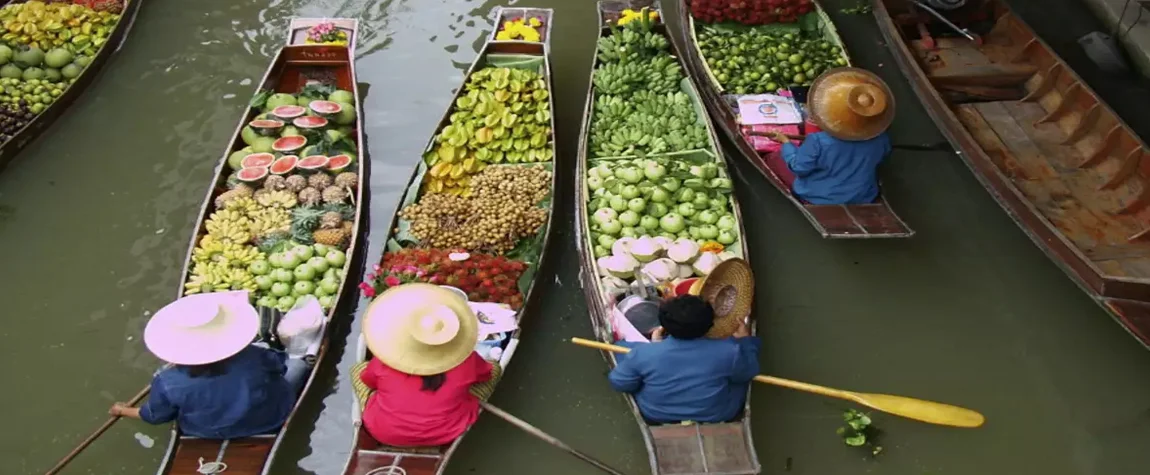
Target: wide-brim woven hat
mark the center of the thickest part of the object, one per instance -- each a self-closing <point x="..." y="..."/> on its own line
<point x="730" y="289"/>
<point x="850" y="104"/>
<point x="420" y="329"/>
<point x="202" y="328"/>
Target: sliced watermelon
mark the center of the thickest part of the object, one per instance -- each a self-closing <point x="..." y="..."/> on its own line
<point x="257" y="160"/>
<point x="252" y="175"/>
<point x="312" y="163"/>
<point x="325" y="108"/>
<point x="287" y="113"/>
<point x="266" y="128"/>
<point x="284" y="165"/>
<point x="310" y="122"/>
<point x="339" y="163"/>
<point x="289" y="144"/>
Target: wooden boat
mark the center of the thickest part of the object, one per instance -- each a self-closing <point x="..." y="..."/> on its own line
<point x="724" y="448"/>
<point x="294" y="66"/>
<point x="368" y="456"/>
<point x="1065" y="167"/>
<point x="39" y="124"/>
<point x="873" y="220"/>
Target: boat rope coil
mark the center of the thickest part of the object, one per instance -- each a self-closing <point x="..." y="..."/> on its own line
<point x="389" y="470"/>
<point x="211" y="468"/>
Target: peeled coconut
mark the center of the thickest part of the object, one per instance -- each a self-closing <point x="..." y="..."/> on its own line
<point x="622" y="246"/>
<point x="621" y="266"/>
<point x="683" y="250"/>
<point x="705" y="263"/>
<point x="645" y="249"/>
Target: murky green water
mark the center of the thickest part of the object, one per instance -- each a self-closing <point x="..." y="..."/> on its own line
<point x="95" y="220"/>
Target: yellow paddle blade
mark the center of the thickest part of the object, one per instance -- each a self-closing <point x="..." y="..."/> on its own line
<point x="921" y="410"/>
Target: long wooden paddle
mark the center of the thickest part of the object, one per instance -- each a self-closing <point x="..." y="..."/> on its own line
<point x="917" y="409"/>
<point x="535" y="431"/>
<point x="91" y="438"/>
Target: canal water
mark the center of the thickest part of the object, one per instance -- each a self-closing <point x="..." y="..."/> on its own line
<point x="95" y="219"/>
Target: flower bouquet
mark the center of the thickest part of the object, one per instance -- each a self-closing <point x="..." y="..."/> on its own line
<point x="326" y="34"/>
<point x="521" y="28"/>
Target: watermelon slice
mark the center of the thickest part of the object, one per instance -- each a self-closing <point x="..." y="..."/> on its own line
<point x="255" y="160"/>
<point x="287" y="113"/>
<point x="310" y="122"/>
<point x="289" y="144"/>
<point x="284" y="165"/>
<point x="325" y="108"/>
<point x="266" y="128"/>
<point x="252" y="175"/>
<point x="313" y="163"/>
<point x="339" y="163"/>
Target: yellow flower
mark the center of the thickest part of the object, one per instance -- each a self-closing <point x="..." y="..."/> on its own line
<point x="508" y="25"/>
<point x="654" y="15"/>
<point x="531" y="35"/>
<point x="503" y="35"/>
<point x="535" y="22"/>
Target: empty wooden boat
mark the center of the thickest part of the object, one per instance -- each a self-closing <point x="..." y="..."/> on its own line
<point x="298" y="69"/>
<point x="858" y="221"/>
<point x="1065" y="167"/>
<point x="99" y="58"/>
<point x="430" y="178"/>
<point x="723" y="448"/>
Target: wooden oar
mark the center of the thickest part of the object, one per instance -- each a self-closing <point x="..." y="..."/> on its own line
<point x="917" y="409"/>
<point x="91" y="438"/>
<point x="520" y="423"/>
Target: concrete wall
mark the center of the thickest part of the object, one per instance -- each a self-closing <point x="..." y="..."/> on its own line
<point x="1137" y="41"/>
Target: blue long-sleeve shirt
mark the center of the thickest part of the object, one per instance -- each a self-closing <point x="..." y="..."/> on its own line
<point x="700" y="380"/>
<point x="251" y="397"/>
<point x="829" y="171"/>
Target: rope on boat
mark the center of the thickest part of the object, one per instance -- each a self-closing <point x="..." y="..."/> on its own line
<point x="211" y="468"/>
<point x="389" y="470"/>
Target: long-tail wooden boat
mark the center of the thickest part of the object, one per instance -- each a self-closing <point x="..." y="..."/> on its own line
<point x="724" y="448"/>
<point x="295" y="67"/>
<point x="368" y="456"/>
<point x="1065" y="167"/>
<point x="41" y="122"/>
<point x="872" y="220"/>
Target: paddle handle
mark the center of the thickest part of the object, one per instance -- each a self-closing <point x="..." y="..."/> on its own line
<point x="95" y="435"/>
<point x="535" y="431"/>
<point x="762" y="378"/>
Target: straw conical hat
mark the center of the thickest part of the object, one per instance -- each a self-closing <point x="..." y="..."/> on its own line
<point x="850" y="104"/>
<point x="420" y="329"/>
<point x="202" y="328"/>
<point x="730" y="289"/>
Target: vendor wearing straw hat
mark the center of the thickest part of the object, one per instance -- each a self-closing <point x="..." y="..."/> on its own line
<point x="219" y="386"/>
<point x="423" y="338"/>
<point x="853" y="107"/>
<point x="703" y="357"/>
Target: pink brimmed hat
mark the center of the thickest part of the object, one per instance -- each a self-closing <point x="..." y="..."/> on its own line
<point x="202" y="328"/>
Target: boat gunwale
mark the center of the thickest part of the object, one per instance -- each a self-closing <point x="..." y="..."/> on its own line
<point x="531" y="297"/>
<point x="1082" y="271"/>
<point x="597" y="305"/>
<point x="271" y="78"/>
<point x="42" y="122"/>
<point x="712" y="99"/>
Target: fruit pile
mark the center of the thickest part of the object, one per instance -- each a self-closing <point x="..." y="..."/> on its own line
<point x="757" y="61"/>
<point x="525" y="29"/>
<point x="750" y="12"/>
<point x="282" y="228"/>
<point x="642" y="208"/>
<point x="504" y="117"/>
<point x="484" y="277"/>
<point x="639" y="107"/>
<point x="13" y="117"/>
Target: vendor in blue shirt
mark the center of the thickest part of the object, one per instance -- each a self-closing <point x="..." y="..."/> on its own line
<point x="219" y="385"/>
<point x="838" y="165"/>
<point x="683" y="375"/>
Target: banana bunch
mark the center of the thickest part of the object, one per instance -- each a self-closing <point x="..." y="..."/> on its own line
<point x="646" y="123"/>
<point x="229" y="225"/>
<point x="277" y="199"/>
<point x="216" y="277"/>
<point x="269" y="220"/>
<point x="632" y="43"/>
<point x="226" y="252"/>
<point x="661" y="74"/>
<point x="245" y="205"/>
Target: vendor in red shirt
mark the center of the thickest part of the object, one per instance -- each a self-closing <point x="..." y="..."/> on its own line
<point x="423" y="338"/>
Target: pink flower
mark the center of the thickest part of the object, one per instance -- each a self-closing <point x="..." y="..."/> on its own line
<point x="372" y="277"/>
<point x="376" y="268"/>
<point x="368" y="290"/>
<point x="391" y="281"/>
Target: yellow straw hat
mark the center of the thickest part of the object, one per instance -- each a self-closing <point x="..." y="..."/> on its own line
<point x="850" y="104"/>
<point x="202" y="328"/>
<point x="730" y="289"/>
<point x="420" y="329"/>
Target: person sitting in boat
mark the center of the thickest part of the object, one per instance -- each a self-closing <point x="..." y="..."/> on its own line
<point x="423" y="338"/>
<point x="698" y="365"/>
<point x="219" y="385"/>
<point x="838" y="165"/>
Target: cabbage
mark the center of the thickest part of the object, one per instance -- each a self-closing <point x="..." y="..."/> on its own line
<point x="706" y="263"/>
<point x="621" y="266"/>
<point x="683" y="250"/>
<point x="661" y="270"/>
<point x="645" y="249"/>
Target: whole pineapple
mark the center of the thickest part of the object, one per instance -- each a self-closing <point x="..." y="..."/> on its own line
<point x="319" y="181"/>
<point x="295" y="183"/>
<point x="331" y="237"/>
<point x="347" y="227"/>
<point x="309" y="196"/>
<point x="275" y="182"/>
<point x="240" y="191"/>
<point x="330" y="220"/>
<point x="334" y="194"/>
<point x="347" y="180"/>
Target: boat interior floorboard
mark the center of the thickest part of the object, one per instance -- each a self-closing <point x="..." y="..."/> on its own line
<point x="702" y="449"/>
<point x="364" y="463"/>
<point x="242" y="455"/>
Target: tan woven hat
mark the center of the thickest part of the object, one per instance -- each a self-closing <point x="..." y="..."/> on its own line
<point x="850" y="104"/>
<point x="730" y="289"/>
<point x="420" y="329"/>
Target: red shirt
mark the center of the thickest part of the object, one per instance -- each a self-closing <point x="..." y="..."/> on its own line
<point x="402" y="414"/>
